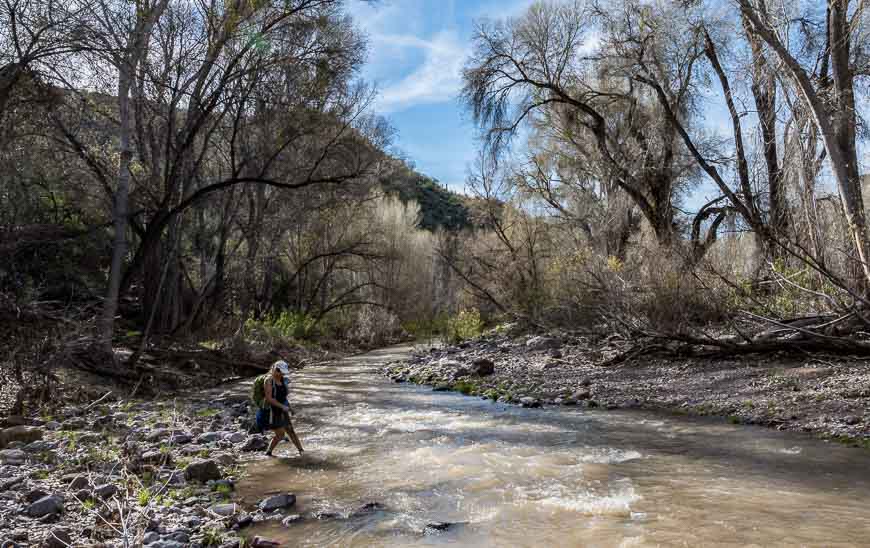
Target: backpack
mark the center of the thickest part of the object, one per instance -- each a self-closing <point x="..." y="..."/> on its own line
<point x="258" y="391"/>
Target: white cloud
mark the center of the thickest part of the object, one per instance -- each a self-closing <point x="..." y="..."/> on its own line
<point x="437" y="78"/>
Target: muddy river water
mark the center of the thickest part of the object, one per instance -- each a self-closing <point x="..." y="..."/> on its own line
<point x="506" y="476"/>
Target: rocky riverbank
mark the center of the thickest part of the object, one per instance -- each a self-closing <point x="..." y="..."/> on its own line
<point x="159" y="474"/>
<point x="824" y="396"/>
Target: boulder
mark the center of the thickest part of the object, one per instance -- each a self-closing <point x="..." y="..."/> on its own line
<point x="57" y="538"/>
<point x="530" y="402"/>
<point x="482" y="367"/>
<point x="23" y="434"/>
<point x="13" y="457"/>
<point x="202" y="471"/>
<point x="45" y="506"/>
<point x="180" y="438"/>
<point x="277" y="502"/>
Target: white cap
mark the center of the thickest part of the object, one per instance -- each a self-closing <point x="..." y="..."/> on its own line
<point x="282" y="366"/>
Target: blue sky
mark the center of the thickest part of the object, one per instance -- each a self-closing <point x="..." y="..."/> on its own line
<point x="416" y="52"/>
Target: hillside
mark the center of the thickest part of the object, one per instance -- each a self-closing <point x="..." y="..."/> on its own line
<point x="439" y="207"/>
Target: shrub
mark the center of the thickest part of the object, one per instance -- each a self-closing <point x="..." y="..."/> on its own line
<point x="465" y="325"/>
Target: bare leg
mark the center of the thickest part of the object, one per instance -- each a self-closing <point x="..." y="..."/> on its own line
<point x="294" y="438"/>
<point x="279" y="435"/>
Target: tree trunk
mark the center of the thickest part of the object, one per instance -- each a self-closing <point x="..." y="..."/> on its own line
<point x="119" y="207"/>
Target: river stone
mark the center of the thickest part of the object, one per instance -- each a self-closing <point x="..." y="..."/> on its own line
<point x="542" y="343"/>
<point x="482" y="367"/>
<point x="202" y="471"/>
<point x="23" y="434"/>
<point x="105" y="491"/>
<point x="225" y="510"/>
<point x="530" y="402"/>
<point x="236" y="437"/>
<point x="40" y="446"/>
<point x="57" y="538"/>
<point x="263" y="542"/>
<point x="53" y="425"/>
<point x="13" y="457"/>
<point x="441" y="527"/>
<point x="292" y="519"/>
<point x="255" y="443"/>
<point x="45" y="506"/>
<point x="581" y="395"/>
<point x="209" y="437"/>
<point x="150" y="537"/>
<point x="277" y="502"/>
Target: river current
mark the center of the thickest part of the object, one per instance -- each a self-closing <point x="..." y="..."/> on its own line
<point x="505" y="476"/>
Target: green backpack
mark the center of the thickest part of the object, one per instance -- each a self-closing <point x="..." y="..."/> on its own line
<point x="258" y="392"/>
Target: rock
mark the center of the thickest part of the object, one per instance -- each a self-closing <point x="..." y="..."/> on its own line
<point x="23" y="434"/>
<point x="441" y="527"/>
<point x="202" y="471"/>
<point x="90" y="437"/>
<point x="449" y="363"/>
<point x="255" y="443"/>
<point x="542" y="343"/>
<point x="368" y="509"/>
<point x="292" y="519"/>
<point x="53" y="425"/>
<point x="57" y="538"/>
<point x="105" y="491"/>
<point x="235" y="543"/>
<point x="236" y="437"/>
<point x="442" y="387"/>
<point x="150" y="537"/>
<point x="482" y="367"/>
<point x="167" y="543"/>
<point x="180" y="438"/>
<point x="181" y="536"/>
<point x="225" y="459"/>
<point x="530" y="402"/>
<point x="45" y="506"/>
<point x="156" y="457"/>
<point x="13" y="457"/>
<point x="555" y="353"/>
<point x="851" y="420"/>
<point x="34" y="495"/>
<point x="586" y="382"/>
<point x="78" y="482"/>
<point x="209" y="437"/>
<point x="263" y="542"/>
<point x="581" y="395"/>
<point x="551" y="364"/>
<point x="39" y="446"/>
<point x="225" y="510"/>
<point x="277" y="502"/>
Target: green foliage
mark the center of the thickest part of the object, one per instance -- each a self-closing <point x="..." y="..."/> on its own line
<point x="466" y="387"/>
<point x="143" y="496"/>
<point x="212" y="537"/>
<point x="286" y="325"/>
<point x="465" y="325"/>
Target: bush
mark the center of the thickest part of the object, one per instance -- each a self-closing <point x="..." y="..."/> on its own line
<point x="465" y="325"/>
<point x="286" y="325"/>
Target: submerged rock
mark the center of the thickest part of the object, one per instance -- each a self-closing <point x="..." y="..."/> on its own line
<point x="277" y="502"/>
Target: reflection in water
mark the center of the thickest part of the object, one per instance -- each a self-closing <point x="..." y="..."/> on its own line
<point x="505" y="476"/>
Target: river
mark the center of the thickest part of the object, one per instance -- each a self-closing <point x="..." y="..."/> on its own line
<point x="506" y="476"/>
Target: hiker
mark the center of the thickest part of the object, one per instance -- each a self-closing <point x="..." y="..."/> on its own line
<point x="274" y="410"/>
